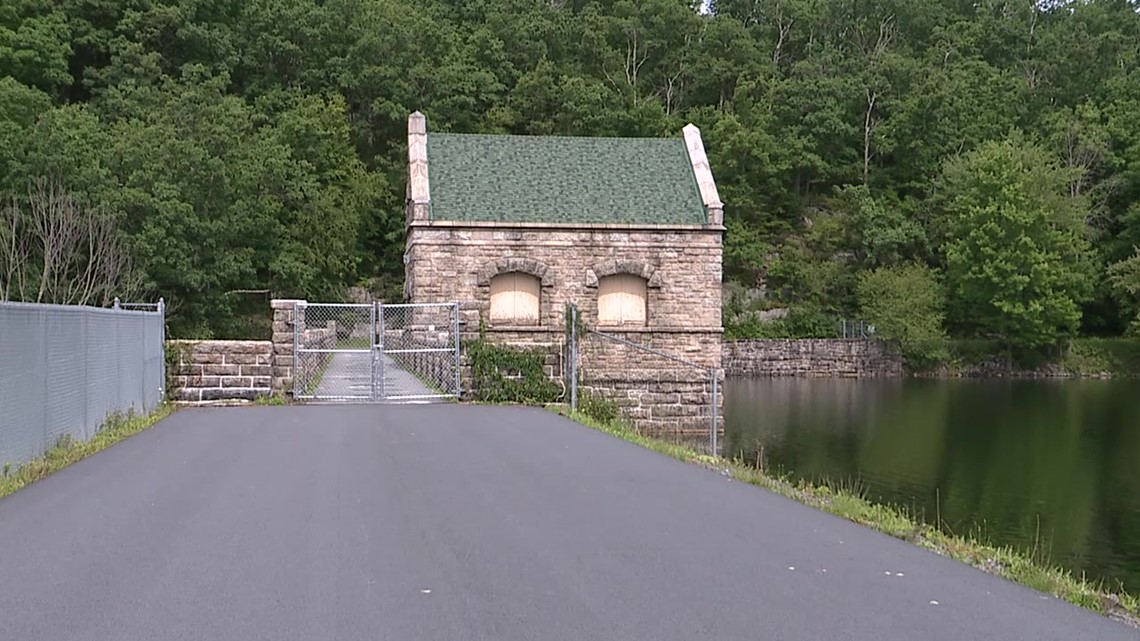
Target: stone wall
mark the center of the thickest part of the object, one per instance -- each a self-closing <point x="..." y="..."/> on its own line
<point x="681" y="266"/>
<point x="451" y="262"/>
<point x="287" y="315"/>
<point x="669" y="393"/>
<point x="811" y="358"/>
<point x="656" y="394"/>
<point x="220" y="370"/>
<point x="283" y="338"/>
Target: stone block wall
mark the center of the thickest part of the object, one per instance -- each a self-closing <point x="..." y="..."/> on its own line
<point x="832" y="358"/>
<point x="287" y="315"/>
<point x="453" y="262"/>
<point x="284" y="317"/>
<point x="668" y="394"/>
<point x="676" y="408"/>
<point x="656" y="394"/>
<point x="681" y="267"/>
<point x="543" y="341"/>
<point x="221" y="370"/>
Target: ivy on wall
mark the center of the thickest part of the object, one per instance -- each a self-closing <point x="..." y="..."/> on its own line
<point x="175" y="354"/>
<point x="502" y="374"/>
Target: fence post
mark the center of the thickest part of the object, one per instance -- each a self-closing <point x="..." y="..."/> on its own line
<point x="162" y="348"/>
<point x="458" y="357"/>
<point x="296" y="369"/>
<point x="115" y="303"/>
<point x="573" y="357"/>
<point x="715" y="398"/>
<point x="373" y="356"/>
<point x="380" y="356"/>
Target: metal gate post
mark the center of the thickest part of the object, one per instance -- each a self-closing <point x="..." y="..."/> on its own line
<point x="573" y="357"/>
<point x="715" y="395"/>
<point x="161" y="349"/>
<point x="380" y="354"/>
<point x="458" y="363"/>
<point x="295" y="370"/>
<point x="372" y="350"/>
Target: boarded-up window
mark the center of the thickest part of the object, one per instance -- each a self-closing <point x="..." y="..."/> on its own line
<point x="621" y="300"/>
<point x="514" y="299"/>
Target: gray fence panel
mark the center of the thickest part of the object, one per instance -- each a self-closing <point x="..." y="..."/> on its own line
<point x="65" y="369"/>
<point x="22" y="373"/>
<point x="65" y="395"/>
<point x="98" y="355"/>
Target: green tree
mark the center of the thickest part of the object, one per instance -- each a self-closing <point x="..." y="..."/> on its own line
<point x="1017" y="259"/>
<point x="906" y="304"/>
<point x="1125" y="279"/>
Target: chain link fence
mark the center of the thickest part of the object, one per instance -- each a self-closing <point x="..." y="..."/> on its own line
<point x="65" y="369"/>
<point x="333" y="351"/>
<point x="376" y="352"/>
<point x="420" y="351"/>
<point x="856" y="329"/>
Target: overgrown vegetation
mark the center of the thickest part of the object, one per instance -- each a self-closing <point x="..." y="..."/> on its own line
<point x="175" y="354"/>
<point x="1020" y="566"/>
<point x="67" y="450"/>
<point x="230" y="148"/>
<point x="598" y="408"/>
<point x="1079" y="357"/>
<point x="904" y="303"/>
<point x="1095" y="356"/>
<point x="504" y="374"/>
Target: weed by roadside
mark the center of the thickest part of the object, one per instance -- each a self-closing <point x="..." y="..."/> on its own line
<point x="68" y="450"/>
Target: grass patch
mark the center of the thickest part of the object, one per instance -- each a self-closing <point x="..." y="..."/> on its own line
<point x="1080" y="357"/>
<point x="353" y="342"/>
<point x="1097" y="356"/>
<point x="67" y="450"/>
<point x="851" y="505"/>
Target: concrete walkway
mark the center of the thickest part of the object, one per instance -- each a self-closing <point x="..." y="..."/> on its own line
<point x="349" y="377"/>
<point x="449" y="522"/>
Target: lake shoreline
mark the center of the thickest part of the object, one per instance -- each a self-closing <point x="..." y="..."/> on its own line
<point x="822" y="358"/>
<point x="1000" y="561"/>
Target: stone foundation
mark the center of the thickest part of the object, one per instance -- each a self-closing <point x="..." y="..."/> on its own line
<point x="658" y="395"/>
<point x="824" y="358"/>
<point x="221" y="370"/>
<point x="656" y="392"/>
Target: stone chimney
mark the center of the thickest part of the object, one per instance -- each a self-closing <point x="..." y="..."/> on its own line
<point x="418" y="192"/>
<point x="703" y="174"/>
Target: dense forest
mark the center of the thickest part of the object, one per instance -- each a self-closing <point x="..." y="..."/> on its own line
<point x="953" y="167"/>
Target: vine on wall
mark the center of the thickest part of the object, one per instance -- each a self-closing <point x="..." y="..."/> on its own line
<point x="175" y="354"/>
<point x="502" y="374"/>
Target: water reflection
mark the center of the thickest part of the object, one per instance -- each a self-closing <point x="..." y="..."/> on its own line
<point x="1051" y="465"/>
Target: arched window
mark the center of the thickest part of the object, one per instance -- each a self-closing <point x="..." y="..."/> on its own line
<point x="514" y="299"/>
<point x="621" y="300"/>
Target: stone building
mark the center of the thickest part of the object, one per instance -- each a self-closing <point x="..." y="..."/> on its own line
<point x="629" y="229"/>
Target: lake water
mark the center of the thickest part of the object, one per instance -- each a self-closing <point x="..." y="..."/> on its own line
<point x="1054" y="464"/>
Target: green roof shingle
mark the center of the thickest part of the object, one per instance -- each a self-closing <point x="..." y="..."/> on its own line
<point x="559" y="179"/>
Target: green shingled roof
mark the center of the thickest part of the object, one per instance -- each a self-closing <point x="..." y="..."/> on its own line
<point x="556" y="179"/>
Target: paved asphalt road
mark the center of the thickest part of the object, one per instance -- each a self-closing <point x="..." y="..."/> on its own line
<point x="449" y="522"/>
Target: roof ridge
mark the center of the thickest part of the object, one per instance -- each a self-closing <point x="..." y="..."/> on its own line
<point x="557" y="137"/>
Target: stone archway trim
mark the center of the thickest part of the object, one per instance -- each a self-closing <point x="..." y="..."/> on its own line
<point x="536" y="268"/>
<point x="635" y="267"/>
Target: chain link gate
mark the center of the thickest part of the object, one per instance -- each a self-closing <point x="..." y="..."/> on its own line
<point x="396" y="353"/>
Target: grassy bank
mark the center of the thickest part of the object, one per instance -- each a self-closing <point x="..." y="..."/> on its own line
<point x="1079" y="358"/>
<point x="69" y="450"/>
<point x="1002" y="561"/>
